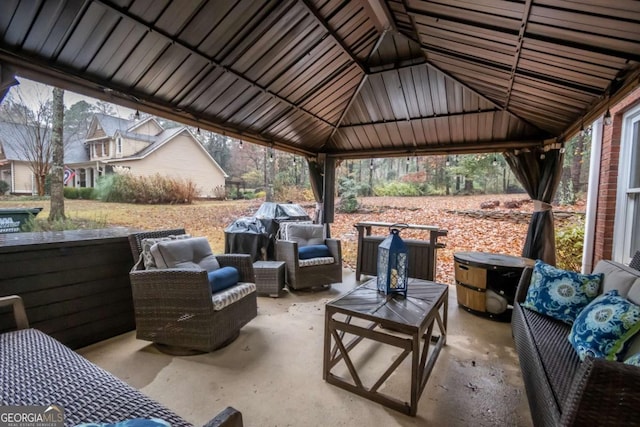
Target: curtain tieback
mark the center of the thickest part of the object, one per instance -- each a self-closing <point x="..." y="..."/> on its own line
<point x="540" y="206"/>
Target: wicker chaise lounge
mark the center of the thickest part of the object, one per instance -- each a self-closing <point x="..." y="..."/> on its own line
<point x="36" y="369"/>
<point x="175" y="309"/>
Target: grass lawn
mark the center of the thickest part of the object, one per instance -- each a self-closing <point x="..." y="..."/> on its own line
<point x="210" y="218"/>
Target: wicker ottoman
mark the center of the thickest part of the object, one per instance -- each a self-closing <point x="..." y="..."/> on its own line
<point x="269" y="277"/>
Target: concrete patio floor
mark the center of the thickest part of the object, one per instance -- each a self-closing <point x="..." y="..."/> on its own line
<point x="273" y="372"/>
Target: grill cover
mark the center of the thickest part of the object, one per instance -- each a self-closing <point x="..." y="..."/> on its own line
<point x="256" y="235"/>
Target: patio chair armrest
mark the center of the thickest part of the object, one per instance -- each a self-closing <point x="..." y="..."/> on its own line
<point x="287" y="251"/>
<point x="242" y="262"/>
<point x="523" y="285"/>
<point x="603" y="392"/>
<point x="229" y="417"/>
<point x="335" y="248"/>
<point x="19" y="313"/>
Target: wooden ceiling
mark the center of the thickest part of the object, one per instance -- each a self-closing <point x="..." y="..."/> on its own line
<point x="349" y="78"/>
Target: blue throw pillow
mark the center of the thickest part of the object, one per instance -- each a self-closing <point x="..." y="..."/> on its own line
<point x="633" y="360"/>
<point x="559" y="293"/>
<point x="313" y="251"/>
<point x="605" y="326"/>
<point x="223" y="278"/>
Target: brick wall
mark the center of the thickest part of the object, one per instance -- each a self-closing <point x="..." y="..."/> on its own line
<point x="607" y="186"/>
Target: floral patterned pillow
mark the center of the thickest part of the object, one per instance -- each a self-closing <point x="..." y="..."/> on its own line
<point x="559" y="293"/>
<point x="605" y="326"/>
<point x="633" y="360"/>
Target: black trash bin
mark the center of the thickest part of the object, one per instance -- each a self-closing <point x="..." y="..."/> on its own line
<point x="13" y="219"/>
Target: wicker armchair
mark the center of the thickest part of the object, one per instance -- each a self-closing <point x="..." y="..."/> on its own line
<point x="300" y="276"/>
<point x="175" y="309"/>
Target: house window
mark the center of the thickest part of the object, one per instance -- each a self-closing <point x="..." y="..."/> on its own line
<point x="627" y="225"/>
<point x="119" y="145"/>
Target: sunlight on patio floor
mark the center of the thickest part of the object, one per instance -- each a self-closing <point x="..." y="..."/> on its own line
<point x="273" y="372"/>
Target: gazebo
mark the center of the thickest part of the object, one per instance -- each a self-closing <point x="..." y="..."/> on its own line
<point x="347" y="79"/>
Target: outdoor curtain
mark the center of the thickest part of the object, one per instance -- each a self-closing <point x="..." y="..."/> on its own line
<point x="317" y="186"/>
<point x="539" y="173"/>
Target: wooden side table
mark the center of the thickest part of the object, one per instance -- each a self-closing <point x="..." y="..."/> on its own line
<point x="416" y="326"/>
<point x="269" y="277"/>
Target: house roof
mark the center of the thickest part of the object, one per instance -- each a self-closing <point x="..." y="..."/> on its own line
<point x="75" y="151"/>
<point x="126" y="128"/>
<point x="12" y="137"/>
<point x="350" y="78"/>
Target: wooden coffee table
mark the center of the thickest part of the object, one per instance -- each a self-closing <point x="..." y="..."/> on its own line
<point x="391" y="320"/>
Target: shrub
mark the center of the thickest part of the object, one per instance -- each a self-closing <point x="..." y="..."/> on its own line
<point x="247" y="194"/>
<point x="398" y="189"/>
<point x="348" y="203"/>
<point x="569" y="245"/>
<point x="70" y="192"/>
<point x="348" y="189"/>
<point x="154" y="189"/>
<point x="293" y="193"/>
<point x="86" y="193"/>
<point x="4" y="187"/>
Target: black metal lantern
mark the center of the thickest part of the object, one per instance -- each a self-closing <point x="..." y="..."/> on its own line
<point x="393" y="264"/>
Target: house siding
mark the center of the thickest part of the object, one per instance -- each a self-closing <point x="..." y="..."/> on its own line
<point x="608" y="184"/>
<point x="22" y="179"/>
<point x="147" y="128"/>
<point x="132" y="146"/>
<point x="181" y="158"/>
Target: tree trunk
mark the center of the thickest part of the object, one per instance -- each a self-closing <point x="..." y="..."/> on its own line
<point x="370" y="190"/>
<point x="576" y="166"/>
<point x="269" y="173"/>
<point x="57" y="166"/>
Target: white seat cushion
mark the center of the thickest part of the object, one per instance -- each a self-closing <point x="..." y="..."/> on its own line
<point x="316" y="261"/>
<point x="230" y="295"/>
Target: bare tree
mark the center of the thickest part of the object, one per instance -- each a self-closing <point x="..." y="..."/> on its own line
<point x="57" y="164"/>
<point x="32" y="134"/>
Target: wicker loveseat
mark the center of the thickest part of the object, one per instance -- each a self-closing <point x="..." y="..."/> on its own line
<point x="36" y="369"/>
<point x="175" y="309"/>
<point x="560" y="388"/>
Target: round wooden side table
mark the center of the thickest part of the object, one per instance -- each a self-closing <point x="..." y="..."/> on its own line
<point x="486" y="282"/>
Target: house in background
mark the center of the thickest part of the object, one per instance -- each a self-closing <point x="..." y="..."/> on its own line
<point x="15" y="168"/>
<point x="144" y="148"/>
<point x="613" y="203"/>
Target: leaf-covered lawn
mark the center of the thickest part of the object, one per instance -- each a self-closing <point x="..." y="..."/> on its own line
<point x="210" y="218"/>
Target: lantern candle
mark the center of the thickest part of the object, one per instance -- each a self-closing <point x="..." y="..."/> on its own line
<point x="393" y="264"/>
